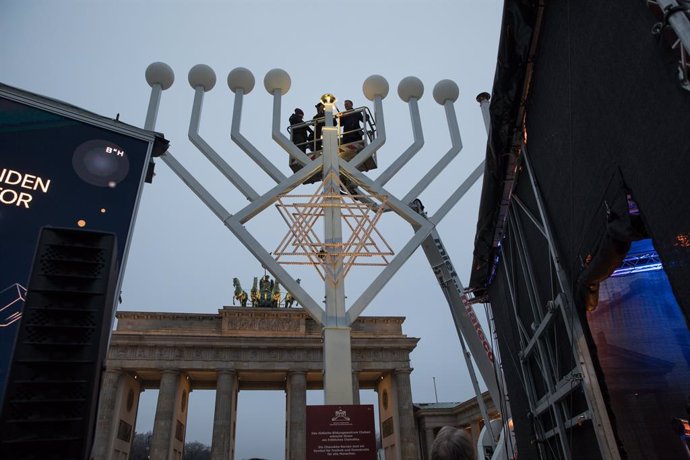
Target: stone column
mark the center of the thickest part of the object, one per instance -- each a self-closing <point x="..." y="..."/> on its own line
<point x="428" y="441"/>
<point x="296" y="416"/>
<point x="475" y="429"/>
<point x="407" y="435"/>
<point x="107" y="405"/>
<point x="222" y="442"/>
<point x="355" y="387"/>
<point x="388" y="417"/>
<point x="163" y="427"/>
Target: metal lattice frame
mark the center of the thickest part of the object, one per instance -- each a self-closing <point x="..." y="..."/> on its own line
<point x="548" y="382"/>
<point x="302" y="245"/>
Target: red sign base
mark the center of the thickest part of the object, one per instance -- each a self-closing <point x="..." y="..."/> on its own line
<point x="341" y="431"/>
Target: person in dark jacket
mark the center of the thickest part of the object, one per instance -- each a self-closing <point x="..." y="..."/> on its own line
<point x="351" y="124"/>
<point x="301" y="135"/>
<point x="319" y="123"/>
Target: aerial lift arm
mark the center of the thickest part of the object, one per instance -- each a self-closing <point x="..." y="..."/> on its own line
<point x="473" y="340"/>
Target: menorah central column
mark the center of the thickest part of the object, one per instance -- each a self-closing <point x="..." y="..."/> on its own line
<point x="337" y="359"/>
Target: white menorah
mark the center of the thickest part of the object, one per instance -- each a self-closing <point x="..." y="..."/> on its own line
<point x="334" y="256"/>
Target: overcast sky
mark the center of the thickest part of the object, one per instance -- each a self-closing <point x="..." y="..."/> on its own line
<point x="93" y="54"/>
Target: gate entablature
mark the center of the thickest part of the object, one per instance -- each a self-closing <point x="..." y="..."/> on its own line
<point x="262" y="345"/>
<point x="238" y="321"/>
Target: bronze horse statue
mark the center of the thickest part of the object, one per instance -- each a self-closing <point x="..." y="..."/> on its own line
<point x="240" y="294"/>
<point x="275" y="297"/>
<point x="254" y="293"/>
<point x="289" y="298"/>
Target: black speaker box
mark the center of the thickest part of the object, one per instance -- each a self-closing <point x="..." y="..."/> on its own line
<point x="50" y="402"/>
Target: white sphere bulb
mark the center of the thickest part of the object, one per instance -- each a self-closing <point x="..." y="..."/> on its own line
<point x="160" y="73"/>
<point x="277" y="80"/>
<point x="241" y="78"/>
<point x="375" y="86"/>
<point x="202" y="75"/>
<point x="410" y="87"/>
<point x="446" y="90"/>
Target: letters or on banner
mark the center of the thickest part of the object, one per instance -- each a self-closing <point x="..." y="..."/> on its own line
<point x="341" y="431"/>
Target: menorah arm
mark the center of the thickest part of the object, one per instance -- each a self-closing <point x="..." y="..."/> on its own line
<point x="307" y="302"/>
<point x="400" y="207"/>
<point x="456" y="146"/>
<point x="195" y="186"/>
<point x="483" y="100"/>
<point x="387" y="273"/>
<point x="458" y="194"/>
<point x="211" y="154"/>
<point x="270" y="197"/>
<point x="154" y="104"/>
<point x="280" y="138"/>
<point x="246" y="146"/>
<point x="372" y="148"/>
<point x="250" y="243"/>
<point x="411" y="151"/>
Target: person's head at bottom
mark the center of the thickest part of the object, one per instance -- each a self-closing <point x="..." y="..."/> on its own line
<point x="452" y="444"/>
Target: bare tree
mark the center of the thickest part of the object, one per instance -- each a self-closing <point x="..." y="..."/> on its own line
<point x="196" y="451"/>
<point x="140" y="446"/>
<point x="192" y="450"/>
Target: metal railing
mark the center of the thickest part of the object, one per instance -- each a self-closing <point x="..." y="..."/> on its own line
<point x="365" y="132"/>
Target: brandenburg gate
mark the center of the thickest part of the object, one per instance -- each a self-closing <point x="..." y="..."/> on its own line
<point x="243" y="349"/>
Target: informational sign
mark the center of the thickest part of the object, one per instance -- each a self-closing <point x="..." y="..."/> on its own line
<point x="342" y="431"/>
<point x="63" y="167"/>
